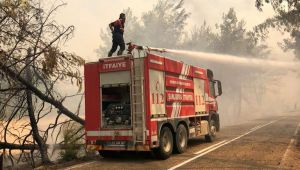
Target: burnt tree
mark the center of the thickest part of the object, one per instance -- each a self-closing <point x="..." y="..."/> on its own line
<point x="30" y="82"/>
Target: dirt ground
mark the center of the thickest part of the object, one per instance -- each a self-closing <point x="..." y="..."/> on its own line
<point x="291" y="159"/>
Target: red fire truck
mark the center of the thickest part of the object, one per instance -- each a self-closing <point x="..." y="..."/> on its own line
<point x="148" y="102"/>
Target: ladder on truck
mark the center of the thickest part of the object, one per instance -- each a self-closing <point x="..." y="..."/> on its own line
<point x="138" y="103"/>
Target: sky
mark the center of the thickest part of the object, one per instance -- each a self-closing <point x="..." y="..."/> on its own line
<point x="90" y="16"/>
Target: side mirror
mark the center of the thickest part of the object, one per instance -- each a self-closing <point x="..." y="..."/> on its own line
<point x="219" y="85"/>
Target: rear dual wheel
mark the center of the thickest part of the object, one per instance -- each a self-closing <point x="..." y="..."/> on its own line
<point x="166" y="142"/>
<point x="165" y="148"/>
<point x="181" y="139"/>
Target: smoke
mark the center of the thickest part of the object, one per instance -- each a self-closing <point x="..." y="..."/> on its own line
<point x="252" y="87"/>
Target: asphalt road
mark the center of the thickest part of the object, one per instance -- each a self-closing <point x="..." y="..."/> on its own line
<point x="269" y="143"/>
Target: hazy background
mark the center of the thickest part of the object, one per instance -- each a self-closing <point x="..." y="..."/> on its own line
<point x="279" y="87"/>
<point x="90" y="16"/>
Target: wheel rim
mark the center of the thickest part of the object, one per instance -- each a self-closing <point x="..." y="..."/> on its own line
<point x="182" y="139"/>
<point x="166" y="142"/>
<point x="213" y="130"/>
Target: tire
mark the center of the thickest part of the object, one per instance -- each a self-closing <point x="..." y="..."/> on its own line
<point x="181" y="139"/>
<point x="165" y="148"/>
<point x="212" y="130"/>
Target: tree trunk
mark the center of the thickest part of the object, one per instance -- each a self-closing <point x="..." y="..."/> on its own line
<point x="35" y="131"/>
<point x="12" y="146"/>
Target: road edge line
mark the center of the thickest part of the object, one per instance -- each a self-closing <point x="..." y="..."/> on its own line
<point x="205" y="149"/>
<point x="292" y="142"/>
<point x="78" y="165"/>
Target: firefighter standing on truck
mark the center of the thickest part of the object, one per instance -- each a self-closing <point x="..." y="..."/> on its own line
<point x="117" y="29"/>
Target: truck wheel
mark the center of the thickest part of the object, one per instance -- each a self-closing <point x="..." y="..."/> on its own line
<point x="165" y="148"/>
<point x="212" y="130"/>
<point x="181" y="139"/>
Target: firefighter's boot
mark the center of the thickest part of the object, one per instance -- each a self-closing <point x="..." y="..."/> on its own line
<point x="120" y="52"/>
<point x="110" y="54"/>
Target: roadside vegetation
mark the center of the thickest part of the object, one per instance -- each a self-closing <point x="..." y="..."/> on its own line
<point x="73" y="143"/>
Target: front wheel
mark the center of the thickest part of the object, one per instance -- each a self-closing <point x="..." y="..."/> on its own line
<point x="165" y="148"/>
<point x="212" y="131"/>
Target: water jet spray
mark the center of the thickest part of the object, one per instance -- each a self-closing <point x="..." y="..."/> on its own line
<point x="220" y="58"/>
